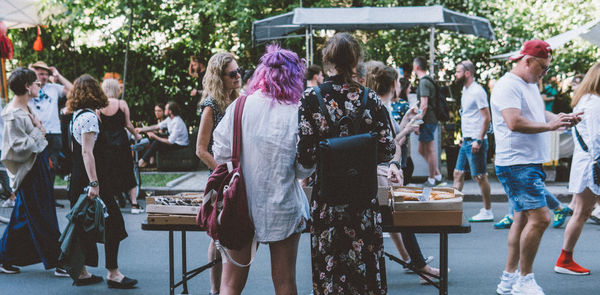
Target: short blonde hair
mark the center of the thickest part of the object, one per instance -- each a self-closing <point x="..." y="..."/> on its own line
<point x="111" y="88"/>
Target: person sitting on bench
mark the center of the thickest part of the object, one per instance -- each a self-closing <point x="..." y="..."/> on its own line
<point x="178" y="135"/>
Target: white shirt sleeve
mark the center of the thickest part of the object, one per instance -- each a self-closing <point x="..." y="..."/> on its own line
<point x="164" y="123"/>
<point x="481" y="100"/>
<point x="506" y="96"/>
<point x="178" y="132"/>
<point x="223" y="137"/>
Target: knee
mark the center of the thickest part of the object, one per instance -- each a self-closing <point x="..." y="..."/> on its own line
<point x="481" y="179"/>
<point x="542" y="222"/>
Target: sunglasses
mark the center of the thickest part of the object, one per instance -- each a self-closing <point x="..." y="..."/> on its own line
<point x="38" y="83"/>
<point x="234" y="73"/>
<point x="544" y="67"/>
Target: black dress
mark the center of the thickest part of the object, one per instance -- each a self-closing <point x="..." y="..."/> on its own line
<point x="114" y="223"/>
<point x="120" y="163"/>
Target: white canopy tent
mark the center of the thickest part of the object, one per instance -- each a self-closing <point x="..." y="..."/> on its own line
<point x="589" y="32"/>
<point x="20" y="13"/>
<point x="368" y="18"/>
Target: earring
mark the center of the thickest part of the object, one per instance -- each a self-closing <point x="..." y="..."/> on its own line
<point x="29" y="92"/>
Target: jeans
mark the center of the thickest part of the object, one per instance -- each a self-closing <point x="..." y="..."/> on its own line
<point x="159" y="146"/>
<point x="524" y="185"/>
<point x="477" y="162"/>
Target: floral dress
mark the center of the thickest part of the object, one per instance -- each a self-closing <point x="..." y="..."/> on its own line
<point x="346" y="241"/>
<point x="217" y="116"/>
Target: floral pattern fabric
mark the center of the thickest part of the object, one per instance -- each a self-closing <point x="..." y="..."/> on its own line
<point x="399" y="109"/>
<point x="346" y="241"/>
<point x="217" y="116"/>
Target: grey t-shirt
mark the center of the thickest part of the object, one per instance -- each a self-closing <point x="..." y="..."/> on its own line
<point x="427" y="88"/>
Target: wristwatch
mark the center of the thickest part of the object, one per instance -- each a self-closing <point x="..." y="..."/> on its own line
<point x="397" y="164"/>
<point x="479" y="141"/>
<point x="93" y="183"/>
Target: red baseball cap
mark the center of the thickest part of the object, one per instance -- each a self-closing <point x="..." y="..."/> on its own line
<point x="536" y="48"/>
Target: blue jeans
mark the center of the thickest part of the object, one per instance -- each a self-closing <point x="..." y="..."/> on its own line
<point x="524" y="185"/>
<point x="477" y="161"/>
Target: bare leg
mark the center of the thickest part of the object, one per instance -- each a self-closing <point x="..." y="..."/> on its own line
<point x="133" y="195"/>
<point x="537" y="222"/>
<point x="427" y="151"/>
<point x="234" y="277"/>
<point x="397" y="239"/>
<point x="115" y="275"/>
<point x="484" y="185"/>
<point x="215" y="271"/>
<point x="514" y="235"/>
<point x="459" y="180"/>
<point x="283" y="265"/>
<point x="582" y="211"/>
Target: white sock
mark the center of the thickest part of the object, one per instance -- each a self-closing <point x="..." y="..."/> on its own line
<point x="438" y="177"/>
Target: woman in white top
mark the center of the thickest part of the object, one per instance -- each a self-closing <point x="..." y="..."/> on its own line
<point x="278" y="206"/>
<point x="32" y="233"/>
<point x="581" y="181"/>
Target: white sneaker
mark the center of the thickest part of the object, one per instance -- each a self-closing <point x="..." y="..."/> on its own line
<point x="596" y="215"/>
<point x="484" y="215"/>
<point x="507" y="281"/>
<point x="526" y="285"/>
<point x="8" y="203"/>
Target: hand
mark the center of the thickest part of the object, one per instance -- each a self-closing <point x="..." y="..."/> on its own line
<point x="561" y="120"/>
<point x="576" y="118"/>
<point x="395" y="174"/>
<point x="54" y="71"/>
<point x="475" y="147"/>
<point x="138" y="136"/>
<point x="151" y="135"/>
<point x="43" y="130"/>
<point x="93" y="192"/>
<point x="194" y="92"/>
<point x="138" y="130"/>
<point x="412" y="112"/>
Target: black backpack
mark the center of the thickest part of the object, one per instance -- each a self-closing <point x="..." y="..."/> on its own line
<point x="439" y="103"/>
<point x="347" y="166"/>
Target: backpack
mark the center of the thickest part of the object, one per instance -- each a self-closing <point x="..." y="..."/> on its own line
<point x="224" y="212"/>
<point x="347" y="166"/>
<point x="439" y="103"/>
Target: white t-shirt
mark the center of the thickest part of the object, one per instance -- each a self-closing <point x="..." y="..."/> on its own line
<point x="177" y="130"/>
<point x="473" y="99"/>
<point x="45" y="107"/>
<point x="85" y="123"/>
<point x="512" y="147"/>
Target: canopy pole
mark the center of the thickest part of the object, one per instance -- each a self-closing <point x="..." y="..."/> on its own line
<point x="307" y="44"/>
<point x="431" y="51"/>
<point x="312" y="50"/>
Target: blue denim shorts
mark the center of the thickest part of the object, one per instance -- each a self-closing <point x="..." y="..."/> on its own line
<point x="477" y="162"/>
<point x="426" y="132"/>
<point x="524" y="185"/>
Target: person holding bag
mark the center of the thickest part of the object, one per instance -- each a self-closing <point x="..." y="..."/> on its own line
<point x="277" y="204"/>
<point x="89" y="170"/>
<point x="584" y="181"/>
<point x="346" y="232"/>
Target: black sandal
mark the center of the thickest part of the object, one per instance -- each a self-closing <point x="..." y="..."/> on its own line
<point x="126" y="283"/>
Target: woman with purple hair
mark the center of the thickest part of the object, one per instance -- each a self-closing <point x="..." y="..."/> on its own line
<point x="277" y="203"/>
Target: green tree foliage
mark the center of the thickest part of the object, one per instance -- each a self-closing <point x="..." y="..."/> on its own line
<point x="89" y="36"/>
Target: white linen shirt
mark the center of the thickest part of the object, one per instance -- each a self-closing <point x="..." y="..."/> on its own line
<point x="473" y="99"/>
<point x="278" y="206"/>
<point x="177" y="130"/>
<point x="512" y="147"/>
<point x="46" y="108"/>
<point x="589" y="129"/>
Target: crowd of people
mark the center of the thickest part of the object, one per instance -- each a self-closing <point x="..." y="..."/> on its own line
<point x="289" y="111"/>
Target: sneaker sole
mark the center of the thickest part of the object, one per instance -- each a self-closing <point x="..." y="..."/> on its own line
<point x="500" y="292"/>
<point x="481" y="220"/>
<point x="565" y="271"/>
<point x="6" y="271"/>
<point x="61" y="275"/>
<point x="501" y="227"/>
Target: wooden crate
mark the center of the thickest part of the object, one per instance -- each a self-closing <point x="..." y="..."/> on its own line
<point x="426" y="218"/>
<point x="171" y="219"/>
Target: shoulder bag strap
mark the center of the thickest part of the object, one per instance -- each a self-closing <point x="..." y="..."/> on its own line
<point x="582" y="144"/>
<point x="324" y="111"/>
<point x="237" y="131"/>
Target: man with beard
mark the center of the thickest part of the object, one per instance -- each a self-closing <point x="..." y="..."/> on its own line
<point x="475" y="122"/>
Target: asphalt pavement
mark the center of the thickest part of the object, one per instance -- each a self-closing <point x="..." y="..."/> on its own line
<point x="476" y="261"/>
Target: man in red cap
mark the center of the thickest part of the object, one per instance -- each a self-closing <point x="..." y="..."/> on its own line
<point x="522" y="145"/>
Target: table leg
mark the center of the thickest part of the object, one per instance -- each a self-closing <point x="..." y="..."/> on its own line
<point x="443" y="263"/>
<point x="184" y="262"/>
<point x="171" y="265"/>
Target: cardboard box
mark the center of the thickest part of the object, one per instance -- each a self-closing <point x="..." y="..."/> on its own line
<point x="426" y="218"/>
<point x="154" y="207"/>
<point x="383" y="194"/>
<point x="454" y="204"/>
<point x="171" y="219"/>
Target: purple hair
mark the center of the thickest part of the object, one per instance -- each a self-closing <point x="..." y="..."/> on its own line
<point x="280" y="75"/>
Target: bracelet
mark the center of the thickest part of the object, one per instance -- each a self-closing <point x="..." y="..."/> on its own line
<point x="397" y="164"/>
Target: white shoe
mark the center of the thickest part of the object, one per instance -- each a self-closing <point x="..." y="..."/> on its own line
<point x="507" y="281"/>
<point x="484" y="215"/>
<point x="526" y="285"/>
<point x="8" y="203"/>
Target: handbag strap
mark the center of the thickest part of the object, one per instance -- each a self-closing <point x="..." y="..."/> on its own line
<point x="325" y="113"/>
<point x="237" y="130"/>
<point x="582" y="144"/>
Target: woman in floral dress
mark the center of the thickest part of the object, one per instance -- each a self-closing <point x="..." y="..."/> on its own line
<point x="346" y="240"/>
